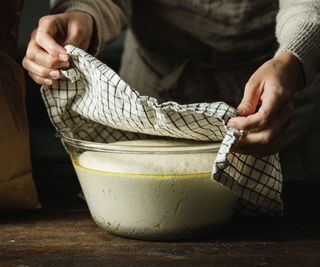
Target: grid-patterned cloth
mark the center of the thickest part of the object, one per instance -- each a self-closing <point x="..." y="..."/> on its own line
<point x="93" y="103"/>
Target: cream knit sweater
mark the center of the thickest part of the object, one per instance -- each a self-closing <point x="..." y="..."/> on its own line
<point x="297" y="23"/>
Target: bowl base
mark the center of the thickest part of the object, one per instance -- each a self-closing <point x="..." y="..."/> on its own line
<point x="183" y="234"/>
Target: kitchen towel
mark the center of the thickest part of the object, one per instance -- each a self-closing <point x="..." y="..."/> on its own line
<point x="91" y="102"/>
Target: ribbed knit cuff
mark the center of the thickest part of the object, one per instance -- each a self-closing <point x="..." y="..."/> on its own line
<point x="305" y="45"/>
<point x="97" y="35"/>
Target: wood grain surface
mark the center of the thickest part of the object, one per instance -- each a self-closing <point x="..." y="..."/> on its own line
<point x="63" y="234"/>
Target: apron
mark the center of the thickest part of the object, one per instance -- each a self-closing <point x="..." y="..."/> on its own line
<point x="17" y="189"/>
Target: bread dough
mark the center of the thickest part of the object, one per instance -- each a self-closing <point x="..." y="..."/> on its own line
<point x="184" y="160"/>
<point x="153" y="196"/>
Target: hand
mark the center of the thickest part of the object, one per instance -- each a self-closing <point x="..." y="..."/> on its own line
<point x="46" y="54"/>
<point x="267" y="105"/>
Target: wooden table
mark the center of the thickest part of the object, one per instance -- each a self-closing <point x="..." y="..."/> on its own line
<point x="63" y="234"/>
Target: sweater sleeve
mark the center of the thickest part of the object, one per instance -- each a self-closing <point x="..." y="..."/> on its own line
<point x="110" y="17"/>
<point x="298" y="32"/>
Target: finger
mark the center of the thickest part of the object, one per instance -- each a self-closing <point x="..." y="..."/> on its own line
<point x="251" y="98"/>
<point x="36" y="54"/>
<point x="265" y="141"/>
<point x="45" y="37"/>
<point x="271" y="104"/>
<point x="46" y="41"/>
<point x="40" y="80"/>
<point x="266" y="150"/>
<point x="39" y="70"/>
<point x="256" y="144"/>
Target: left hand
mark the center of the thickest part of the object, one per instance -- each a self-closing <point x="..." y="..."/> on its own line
<point x="272" y="87"/>
<point x="46" y="55"/>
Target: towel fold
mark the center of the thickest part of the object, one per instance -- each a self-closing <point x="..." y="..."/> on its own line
<point x="91" y="102"/>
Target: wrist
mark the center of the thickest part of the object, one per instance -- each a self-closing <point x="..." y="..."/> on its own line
<point x="294" y="66"/>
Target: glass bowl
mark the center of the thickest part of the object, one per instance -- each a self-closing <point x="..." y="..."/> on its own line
<point x="151" y="189"/>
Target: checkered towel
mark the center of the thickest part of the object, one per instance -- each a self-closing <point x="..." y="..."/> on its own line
<point x="93" y="103"/>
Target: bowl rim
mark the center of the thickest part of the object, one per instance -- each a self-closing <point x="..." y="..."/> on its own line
<point x="202" y="147"/>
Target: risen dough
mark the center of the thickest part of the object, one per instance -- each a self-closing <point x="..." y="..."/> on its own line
<point x="153" y="206"/>
<point x="184" y="162"/>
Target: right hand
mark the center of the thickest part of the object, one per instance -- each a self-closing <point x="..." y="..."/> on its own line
<point x="46" y="53"/>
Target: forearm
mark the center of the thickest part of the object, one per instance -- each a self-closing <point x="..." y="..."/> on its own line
<point x="298" y="32"/>
<point x="109" y="15"/>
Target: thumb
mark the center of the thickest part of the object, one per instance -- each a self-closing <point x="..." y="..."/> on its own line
<point x="250" y="100"/>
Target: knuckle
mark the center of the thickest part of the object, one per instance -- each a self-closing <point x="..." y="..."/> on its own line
<point x="51" y="62"/>
<point x="43" y="73"/>
<point x="45" y="20"/>
<point x="30" y="55"/>
<point x="279" y="90"/>
<point x="25" y="63"/>
<point x="39" y="37"/>
<point x="247" y="104"/>
<point x="33" y="33"/>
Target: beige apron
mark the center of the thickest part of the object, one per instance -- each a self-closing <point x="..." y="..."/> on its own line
<point x="17" y="189"/>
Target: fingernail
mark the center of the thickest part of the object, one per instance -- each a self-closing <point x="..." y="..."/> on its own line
<point x="54" y="74"/>
<point x="47" y="81"/>
<point x="63" y="57"/>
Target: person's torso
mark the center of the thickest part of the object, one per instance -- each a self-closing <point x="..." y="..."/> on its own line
<point x="226" y="29"/>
